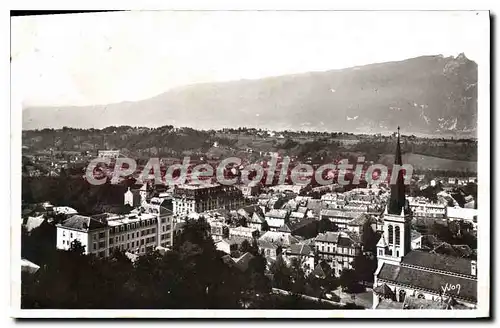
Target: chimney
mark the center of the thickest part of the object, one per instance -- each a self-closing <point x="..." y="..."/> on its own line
<point x="473" y="269"/>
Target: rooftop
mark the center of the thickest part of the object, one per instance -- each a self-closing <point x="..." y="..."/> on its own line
<point x="429" y="281"/>
<point x="82" y="223"/>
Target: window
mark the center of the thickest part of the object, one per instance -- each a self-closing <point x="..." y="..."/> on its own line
<point x="391" y="234"/>
<point x="94" y="236"/>
<point x="380" y="252"/>
<point x="398" y="237"/>
<point x="71" y="235"/>
<point x="111" y="241"/>
<point x="133" y="244"/>
<point x="102" y="244"/>
<point x="94" y="245"/>
<point x="101" y="235"/>
<point x="163" y="221"/>
<point x="64" y="233"/>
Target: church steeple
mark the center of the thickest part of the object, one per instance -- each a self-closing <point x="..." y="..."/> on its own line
<point x="397" y="202"/>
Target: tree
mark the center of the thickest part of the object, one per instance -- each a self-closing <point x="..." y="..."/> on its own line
<point x="245" y="246"/>
<point x="347" y="279"/>
<point x="76" y="247"/>
<point x="281" y="274"/>
<point x="364" y="267"/>
<point x="297" y="274"/>
<point x="327" y="225"/>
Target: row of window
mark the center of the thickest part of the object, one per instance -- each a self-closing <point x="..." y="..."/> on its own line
<point x="134" y="225"/>
<point x="338" y="250"/>
<point x="394" y="235"/>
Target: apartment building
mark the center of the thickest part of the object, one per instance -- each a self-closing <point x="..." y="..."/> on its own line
<point x="141" y="231"/>
<point x="197" y="198"/>
<point x="338" y="249"/>
<point x="421" y="207"/>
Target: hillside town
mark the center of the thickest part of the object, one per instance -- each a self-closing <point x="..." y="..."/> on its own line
<point x="367" y="246"/>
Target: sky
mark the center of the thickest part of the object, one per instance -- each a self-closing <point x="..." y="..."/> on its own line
<point x="101" y="58"/>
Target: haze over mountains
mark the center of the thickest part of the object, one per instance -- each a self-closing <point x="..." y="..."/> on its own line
<point x="430" y="95"/>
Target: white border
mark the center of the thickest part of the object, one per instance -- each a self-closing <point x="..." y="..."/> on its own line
<point x="483" y="172"/>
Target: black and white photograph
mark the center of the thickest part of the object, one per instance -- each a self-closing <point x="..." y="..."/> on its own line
<point x="220" y="163"/>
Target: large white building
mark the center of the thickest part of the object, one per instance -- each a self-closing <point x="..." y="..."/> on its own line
<point x="142" y="230"/>
<point x="198" y="198"/>
<point x="421" y="207"/>
<point x="92" y="234"/>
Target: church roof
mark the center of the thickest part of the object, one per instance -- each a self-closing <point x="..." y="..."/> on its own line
<point x="429" y="281"/>
<point x="439" y="262"/>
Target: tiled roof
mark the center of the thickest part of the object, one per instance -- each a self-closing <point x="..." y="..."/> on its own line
<point x="296" y="225"/>
<point x="279" y="238"/>
<point x="427" y="280"/>
<point x="82" y="223"/>
<point x="243" y="261"/>
<point x="282" y="214"/>
<point x="249" y="210"/>
<point x="339" y="213"/>
<point x="329" y="236"/>
<point x="438" y="262"/>
<point x="320" y="270"/>
<point x="299" y="249"/>
<point x="266" y="244"/>
<point x="345" y="241"/>
<point x="234" y="240"/>
<point x="415" y="234"/>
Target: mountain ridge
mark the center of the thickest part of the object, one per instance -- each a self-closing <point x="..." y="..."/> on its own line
<point x="425" y="95"/>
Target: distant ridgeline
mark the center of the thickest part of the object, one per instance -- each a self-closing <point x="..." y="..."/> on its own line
<point x="316" y="147"/>
<point x="427" y="95"/>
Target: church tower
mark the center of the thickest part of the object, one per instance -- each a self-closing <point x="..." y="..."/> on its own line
<point x="395" y="241"/>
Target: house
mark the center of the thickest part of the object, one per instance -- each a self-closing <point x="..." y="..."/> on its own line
<point x="218" y="230"/>
<point x="301" y="252"/>
<point x="279" y="238"/>
<point x="253" y="215"/>
<point x="306" y="228"/>
<point x="416" y="240"/>
<point x="321" y="270"/>
<point x="340" y="217"/>
<point x="338" y="249"/>
<point x="229" y="245"/>
<point x="276" y="218"/>
<point x="92" y="234"/>
<point x="270" y="250"/>
<point x="244" y="232"/>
